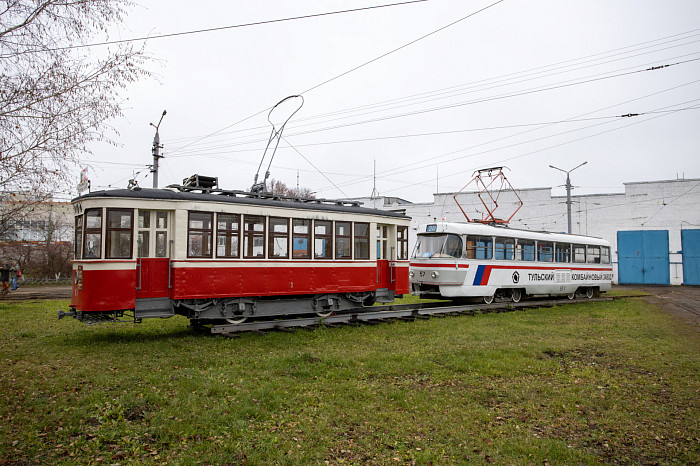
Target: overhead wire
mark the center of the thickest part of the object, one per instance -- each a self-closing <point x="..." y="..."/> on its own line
<point x="311" y="163"/>
<point x="459" y="87"/>
<point x="554" y="146"/>
<point x="214" y="29"/>
<point x="431" y="161"/>
<point x="472" y="102"/>
<point x="401" y="47"/>
<point x="349" y="71"/>
<point x="204" y="152"/>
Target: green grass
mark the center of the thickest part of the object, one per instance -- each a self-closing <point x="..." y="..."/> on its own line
<point x="589" y="383"/>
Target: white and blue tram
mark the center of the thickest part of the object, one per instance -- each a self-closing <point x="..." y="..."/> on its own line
<point x="475" y="260"/>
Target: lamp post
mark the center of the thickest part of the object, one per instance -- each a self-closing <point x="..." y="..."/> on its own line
<point x="568" y="190"/>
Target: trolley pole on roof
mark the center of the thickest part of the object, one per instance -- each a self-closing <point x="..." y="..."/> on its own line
<point x="156" y="151"/>
<point x="568" y="190"/>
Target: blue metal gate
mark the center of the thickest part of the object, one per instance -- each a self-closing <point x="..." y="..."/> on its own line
<point x="642" y="257"/>
<point x="690" y="239"/>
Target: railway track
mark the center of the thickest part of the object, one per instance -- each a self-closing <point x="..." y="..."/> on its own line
<point x="387" y="314"/>
<point x="680" y="300"/>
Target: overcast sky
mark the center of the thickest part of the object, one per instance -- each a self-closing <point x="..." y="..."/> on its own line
<point x="521" y="84"/>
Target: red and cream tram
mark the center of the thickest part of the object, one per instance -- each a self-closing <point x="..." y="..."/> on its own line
<point x="213" y="255"/>
<point x="475" y="260"/>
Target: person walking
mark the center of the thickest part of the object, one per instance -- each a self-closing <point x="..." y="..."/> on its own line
<point x="15" y="273"/>
<point x="5" y="277"/>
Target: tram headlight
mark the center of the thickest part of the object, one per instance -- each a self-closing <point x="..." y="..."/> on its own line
<point x="411" y="274"/>
<point x="435" y="274"/>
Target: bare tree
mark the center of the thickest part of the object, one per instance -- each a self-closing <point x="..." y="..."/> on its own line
<point x="278" y="187"/>
<point x="56" y="96"/>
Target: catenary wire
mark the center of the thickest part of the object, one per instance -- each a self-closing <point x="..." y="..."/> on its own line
<point x="449" y="88"/>
<point x="214" y="29"/>
<point x="478" y="101"/>
<point x="345" y="73"/>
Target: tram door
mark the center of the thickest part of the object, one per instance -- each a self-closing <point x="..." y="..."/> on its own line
<point x="385" y="252"/>
<point x="153" y="255"/>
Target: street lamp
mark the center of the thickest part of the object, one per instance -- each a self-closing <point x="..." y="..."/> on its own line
<point x="568" y="190"/>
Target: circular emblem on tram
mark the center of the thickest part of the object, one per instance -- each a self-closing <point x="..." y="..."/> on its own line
<point x="516" y="277"/>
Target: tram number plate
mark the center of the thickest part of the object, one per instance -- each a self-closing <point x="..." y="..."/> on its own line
<point x="421" y="273"/>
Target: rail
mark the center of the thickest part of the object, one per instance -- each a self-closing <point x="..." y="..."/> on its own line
<point x="389" y="313"/>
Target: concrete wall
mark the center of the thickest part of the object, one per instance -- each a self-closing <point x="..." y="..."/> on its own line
<point x="656" y="205"/>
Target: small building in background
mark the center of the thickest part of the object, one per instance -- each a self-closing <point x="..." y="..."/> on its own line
<point x="38" y="234"/>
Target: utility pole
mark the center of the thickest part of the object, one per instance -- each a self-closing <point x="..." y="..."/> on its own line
<point x="568" y="190"/>
<point x="156" y="151"/>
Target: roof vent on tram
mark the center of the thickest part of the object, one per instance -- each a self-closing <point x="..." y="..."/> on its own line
<point x="202" y="182"/>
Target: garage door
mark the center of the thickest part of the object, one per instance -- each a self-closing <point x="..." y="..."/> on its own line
<point x="642" y="257"/>
<point x="691" y="256"/>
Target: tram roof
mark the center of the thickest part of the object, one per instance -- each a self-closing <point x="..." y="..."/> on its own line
<point x="491" y="230"/>
<point x="239" y="198"/>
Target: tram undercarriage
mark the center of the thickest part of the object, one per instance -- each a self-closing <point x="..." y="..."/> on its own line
<point x="236" y="310"/>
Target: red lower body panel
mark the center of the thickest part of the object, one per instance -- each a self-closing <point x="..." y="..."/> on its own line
<point x="104" y="289"/>
<point x="206" y="282"/>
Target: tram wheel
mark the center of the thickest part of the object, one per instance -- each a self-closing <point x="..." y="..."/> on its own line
<point x="589" y="292"/>
<point x="488" y="299"/>
<point x="516" y="295"/>
<point x="325" y="314"/>
<point x="236" y="320"/>
<point x="571" y="295"/>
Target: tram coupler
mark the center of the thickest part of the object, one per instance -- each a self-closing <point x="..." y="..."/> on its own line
<point x="72" y="313"/>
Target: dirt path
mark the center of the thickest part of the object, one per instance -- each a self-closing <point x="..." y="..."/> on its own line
<point x="682" y="302"/>
<point x="38" y="292"/>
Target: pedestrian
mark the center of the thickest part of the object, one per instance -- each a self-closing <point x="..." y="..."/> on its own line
<point x="15" y="273"/>
<point x="5" y="277"/>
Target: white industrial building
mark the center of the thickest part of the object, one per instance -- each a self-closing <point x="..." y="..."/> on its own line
<point x="657" y="223"/>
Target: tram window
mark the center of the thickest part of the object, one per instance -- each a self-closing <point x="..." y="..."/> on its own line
<point x="579" y="254"/>
<point x="382" y="242"/>
<point x="593" y="254"/>
<point x="144" y="219"/>
<point x="544" y="251"/>
<point x="453" y="246"/>
<point x="92" y="246"/>
<point x="78" y="243"/>
<point x="343" y="240"/>
<point x="279" y="238"/>
<point x="161" y="244"/>
<point x="301" y="239"/>
<point x="604" y="255"/>
<point x="228" y="228"/>
<point x="434" y="246"/>
<point x="525" y="250"/>
<point x="479" y="247"/>
<point x="323" y="239"/>
<point x="562" y="252"/>
<point x="162" y="234"/>
<point x="361" y="240"/>
<point x="199" y="234"/>
<point x="505" y="249"/>
<point x="143" y="236"/>
<point x="142" y="243"/>
<point x="253" y="237"/>
<point x="161" y="219"/>
<point x="119" y="233"/>
<point x="402" y="240"/>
